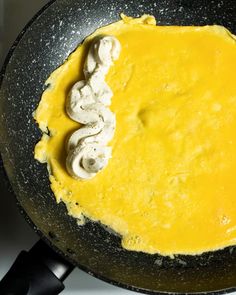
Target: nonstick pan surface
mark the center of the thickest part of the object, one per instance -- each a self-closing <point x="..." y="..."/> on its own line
<point x="41" y="47"/>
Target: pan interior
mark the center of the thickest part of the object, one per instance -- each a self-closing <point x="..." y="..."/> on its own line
<point x="43" y="47"/>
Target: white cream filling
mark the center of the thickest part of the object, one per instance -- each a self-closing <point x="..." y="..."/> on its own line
<point x="87" y="104"/>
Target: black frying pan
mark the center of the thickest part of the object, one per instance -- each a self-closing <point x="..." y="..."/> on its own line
<point x="41" y="47"/>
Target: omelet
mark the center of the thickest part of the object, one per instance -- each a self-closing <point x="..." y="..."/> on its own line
<point x="170" y="185"/>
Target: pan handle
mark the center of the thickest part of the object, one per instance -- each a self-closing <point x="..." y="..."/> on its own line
<point x="40" y="271"/>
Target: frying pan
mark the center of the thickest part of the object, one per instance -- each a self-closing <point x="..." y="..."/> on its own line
<point x="40" y="48"/>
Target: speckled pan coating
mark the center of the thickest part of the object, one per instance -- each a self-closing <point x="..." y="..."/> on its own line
<point x="42" y="47"/>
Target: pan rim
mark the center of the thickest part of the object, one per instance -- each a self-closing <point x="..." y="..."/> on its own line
<point x="37" y="230"/>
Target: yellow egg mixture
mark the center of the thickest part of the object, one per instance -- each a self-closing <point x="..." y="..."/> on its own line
<point x="170" y="186"/>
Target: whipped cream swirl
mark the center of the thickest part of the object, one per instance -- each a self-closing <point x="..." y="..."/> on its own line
<point x="87" y="104"/>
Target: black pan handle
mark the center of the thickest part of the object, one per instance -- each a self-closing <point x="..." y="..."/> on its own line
<point x="40" y="271"/>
